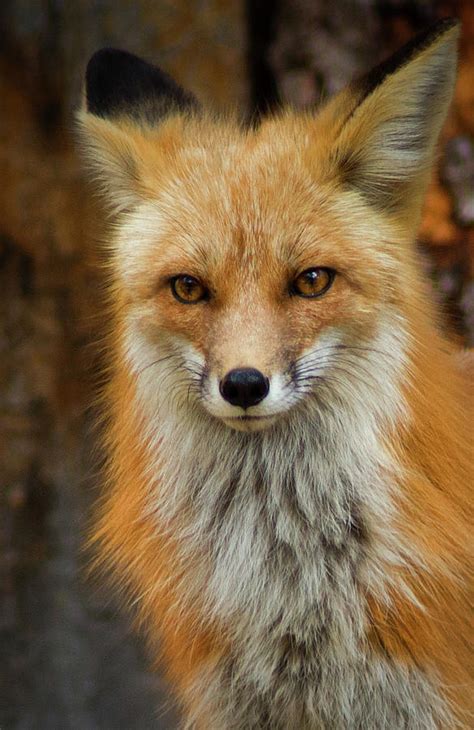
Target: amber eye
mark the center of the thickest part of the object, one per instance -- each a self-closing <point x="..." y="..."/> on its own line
<point x="313" y="282"/>
<point x="188" y="290"/>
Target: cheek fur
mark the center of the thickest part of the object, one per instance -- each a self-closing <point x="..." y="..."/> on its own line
<point x="308" y="320"/>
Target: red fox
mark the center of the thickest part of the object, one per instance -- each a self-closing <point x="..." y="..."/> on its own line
<point x="288" y="437"/>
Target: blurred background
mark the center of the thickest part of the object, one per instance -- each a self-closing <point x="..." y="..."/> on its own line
<point x="68" y="660"/>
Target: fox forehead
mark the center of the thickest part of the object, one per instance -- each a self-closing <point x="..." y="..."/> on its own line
<point x="252" y="203"/>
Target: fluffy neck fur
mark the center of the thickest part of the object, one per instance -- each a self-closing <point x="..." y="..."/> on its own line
<point x="280" y="535"/>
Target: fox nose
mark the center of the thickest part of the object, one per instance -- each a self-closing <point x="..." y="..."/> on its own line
<point x="244" y="387"/>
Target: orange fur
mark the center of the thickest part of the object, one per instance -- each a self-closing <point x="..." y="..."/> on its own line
<point x="245" y="211"/>
<point x="435" y="514"/>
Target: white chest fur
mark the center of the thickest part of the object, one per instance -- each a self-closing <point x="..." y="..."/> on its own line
<point x="285" y="532"/>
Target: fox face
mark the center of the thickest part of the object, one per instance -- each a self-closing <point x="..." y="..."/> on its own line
<point x="249" y="283"/>
<point x="258" y="272"/>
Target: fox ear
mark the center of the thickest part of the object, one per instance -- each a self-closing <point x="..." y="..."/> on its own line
<point x="126" y="101"/>
<point x="389" y="120"/>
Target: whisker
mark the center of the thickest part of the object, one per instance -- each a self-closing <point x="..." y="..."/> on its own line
<point x="156" y="362"/>
<point x="324" y="351"/>
<point x="365" y="349"/>
<point x="357" y="365"/>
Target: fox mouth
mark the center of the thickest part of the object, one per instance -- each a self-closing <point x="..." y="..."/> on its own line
<point x="249" y="423"/>
<point x="247" y="418"/>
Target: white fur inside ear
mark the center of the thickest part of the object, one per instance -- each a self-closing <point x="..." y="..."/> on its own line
<point x="391" y="136"/>
<point x="112" y="158"/>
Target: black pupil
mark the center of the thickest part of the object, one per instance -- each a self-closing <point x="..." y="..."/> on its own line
<point x="311" y="276"/>
<point x="189" y="284"/>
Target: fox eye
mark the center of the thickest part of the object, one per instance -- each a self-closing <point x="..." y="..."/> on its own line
<point x="187" y="289"/>
<point x="313" y="282"/>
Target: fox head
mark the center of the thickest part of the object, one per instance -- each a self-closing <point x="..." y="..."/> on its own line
<point x="260" y="270"/>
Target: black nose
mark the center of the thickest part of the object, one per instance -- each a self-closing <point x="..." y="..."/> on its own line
<point x="244" y="387"/>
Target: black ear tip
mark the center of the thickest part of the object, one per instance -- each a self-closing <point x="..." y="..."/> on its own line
<point x="428" y="36"/>
<point x="108" y="61"/>
<point x="107" y="73"/>
<point x="110" y="54"/>
<point x="405" y="54"/>
<point x="120" y="82"/>
<point x="445" y="24"/>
